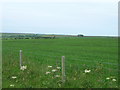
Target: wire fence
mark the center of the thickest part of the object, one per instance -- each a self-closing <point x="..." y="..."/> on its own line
<point x="82" y="59"/>
<point x="86" y="59"/>
<point x="68" y="64"/>
<point x="107" y="65"/>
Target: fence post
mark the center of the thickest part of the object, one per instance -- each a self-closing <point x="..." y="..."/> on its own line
<point x="63" y="69"/>
<point x="20" y="58"/>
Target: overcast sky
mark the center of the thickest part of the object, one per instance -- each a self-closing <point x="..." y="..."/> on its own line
<point x="88" y="17"/>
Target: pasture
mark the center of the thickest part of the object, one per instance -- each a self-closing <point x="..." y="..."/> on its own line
<point x="98" y="55"/>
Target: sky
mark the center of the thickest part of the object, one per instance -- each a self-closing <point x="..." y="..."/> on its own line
<point x="88" y="17"/>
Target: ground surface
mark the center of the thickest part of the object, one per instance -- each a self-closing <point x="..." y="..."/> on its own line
<point x="98" y="54"/>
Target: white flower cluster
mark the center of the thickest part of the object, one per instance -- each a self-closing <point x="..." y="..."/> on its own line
<point x="107" y="78"/>
<point x="12" y="85"/>
<point x="57" y="75"/>
<point x="23" y="68"/>
<point x="58" y="68"/>
<point x="48" y="72"/>
<point x="113" y="79"/>
<point x="49" y="66"/>
<point x="53" y="70"/>
<point x="14" y="77"/>
<point x="87" y="71"/>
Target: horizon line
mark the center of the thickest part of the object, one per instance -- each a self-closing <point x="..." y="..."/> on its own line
<point x="56" y="34"/>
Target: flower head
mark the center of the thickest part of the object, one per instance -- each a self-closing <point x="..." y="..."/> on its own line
<point x="114" y="80"/>
<point x="58" y="67"/>
<point x="12" y="85"/>
<point x="87" y="71"/>
<point x="23" y="68"/>
<point x="49" y="66"/>
<point x="107" y="78"/>
<point x="14" y="77"/>
<point x="54" y="70"/>
<point x="47" y="72"/>
<point x="57" y="75"/>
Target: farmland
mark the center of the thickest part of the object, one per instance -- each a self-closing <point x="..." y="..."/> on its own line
<point x="97" y="54"/>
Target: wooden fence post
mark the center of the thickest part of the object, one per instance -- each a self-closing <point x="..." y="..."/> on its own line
<point x="20" y="58"/>
<point x="63" y="69"/>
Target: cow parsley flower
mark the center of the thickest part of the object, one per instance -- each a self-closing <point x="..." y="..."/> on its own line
<point x="58" y="67"/>
<point x="47" y="72"/>
<point x="57" y="75"/>
<point x="87" y="71"/>
<point x="49" y="66"/>
<point x="114" y="80"/>
<point x="14" y="77"/>
<point x="54" y="70"/>
<point x="23" y="67"/>
<point x="12" y="85"/>
<point x="107" y="78"/>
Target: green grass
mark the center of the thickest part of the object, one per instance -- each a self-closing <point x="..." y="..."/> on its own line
<point x="99" y="54"/>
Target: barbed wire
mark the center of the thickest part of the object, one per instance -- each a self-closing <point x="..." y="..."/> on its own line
<point x="79" y="59"/>
<point x="90" y="67"/>
<point x="86" y="57"/>
<point x="43" y="55"/>
<point x="93" y="61"/>
<point x="67" y="59"/>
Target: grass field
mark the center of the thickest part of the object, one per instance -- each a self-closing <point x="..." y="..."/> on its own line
<point x="98" y="54"/>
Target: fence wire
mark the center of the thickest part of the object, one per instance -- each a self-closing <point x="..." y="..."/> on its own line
<point x="67" y="60"/>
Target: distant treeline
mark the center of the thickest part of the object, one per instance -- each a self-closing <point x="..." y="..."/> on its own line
<point x="19" y="35"/>
<point x="25" y="36"/>
<point x="6" y="36"/>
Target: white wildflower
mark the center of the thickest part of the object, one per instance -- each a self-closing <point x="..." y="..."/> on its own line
<point x="54" y="70"/>
<point x="114" y="80"/>
<point x="23" y="67"/>
<point x="107" y="78"/>
<point x="50" y="66"/>
<point x="47" y="72"/>
<point x="87" y="71"/>
<point x="14" y="77"/>
<point x="58" y="67"/>
<point x="12" y="85"/>
<point x="57" y="75"/>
